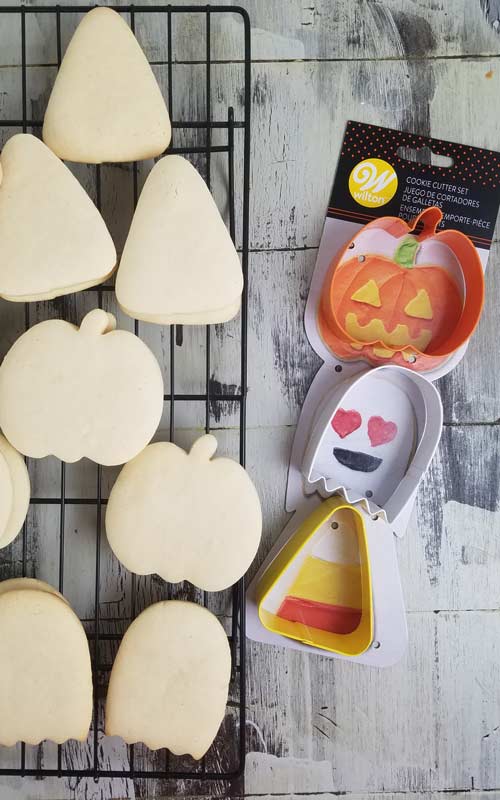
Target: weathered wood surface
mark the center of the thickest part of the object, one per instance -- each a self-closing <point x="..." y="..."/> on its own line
<point x="317" y="30"/>
<point x="317" y="727"/>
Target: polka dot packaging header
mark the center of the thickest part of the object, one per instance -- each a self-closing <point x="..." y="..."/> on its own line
<point x="386" y="172"/>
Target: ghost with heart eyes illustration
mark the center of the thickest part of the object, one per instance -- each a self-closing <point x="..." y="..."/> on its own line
<point x="368" y="441"/>
<point x="379" y="432"/>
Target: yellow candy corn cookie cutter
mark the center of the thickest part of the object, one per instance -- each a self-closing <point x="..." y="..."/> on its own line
<point x="283" y="614"/>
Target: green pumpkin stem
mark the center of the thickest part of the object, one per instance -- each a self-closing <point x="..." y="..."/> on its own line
<point x="406" y="252"/>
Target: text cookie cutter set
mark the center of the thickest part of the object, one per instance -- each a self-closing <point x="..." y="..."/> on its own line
<point x="391" y="307"/>
<point x="219" y="144"/>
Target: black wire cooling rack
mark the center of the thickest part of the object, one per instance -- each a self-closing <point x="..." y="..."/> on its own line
<point x="225" y="760"/>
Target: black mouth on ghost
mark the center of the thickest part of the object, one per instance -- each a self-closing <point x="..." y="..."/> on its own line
<point x="360" y="462"/>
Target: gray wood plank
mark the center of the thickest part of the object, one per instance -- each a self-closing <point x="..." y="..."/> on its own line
<point x="298" y="30"/>
<point x="491" y="10"/>
<point x="454" y="537"/>
<point x="298" y="160"/>
<point x="428" y="723"/>
<point x="418" y="726"/>
<point x="315" y="726"/>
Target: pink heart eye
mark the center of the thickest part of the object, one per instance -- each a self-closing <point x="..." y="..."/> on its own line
<point x="380" y="431"/>
<point x="345" y="422"/>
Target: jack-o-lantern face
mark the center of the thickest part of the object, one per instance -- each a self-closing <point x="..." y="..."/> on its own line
<point x="392" y="304"/>
<point x="377" y="304"/>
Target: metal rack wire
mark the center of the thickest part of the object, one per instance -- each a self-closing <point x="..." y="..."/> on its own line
<point x="224" y="769"/>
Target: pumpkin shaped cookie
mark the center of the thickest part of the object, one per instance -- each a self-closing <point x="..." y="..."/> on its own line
<point x="14" y="492"/>
<point x="45" y="671"/>
<point x="54" y="240"/>
<point x="169" y="682"/>
<point x="73" y="392"/>
<point x="185" y="516"/>
<point x="179" y="264"/>
<point x="105" y="104"/>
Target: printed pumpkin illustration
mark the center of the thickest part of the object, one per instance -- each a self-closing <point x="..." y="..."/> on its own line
<point x="389" y="301"/>
<point x="400" y="303"/>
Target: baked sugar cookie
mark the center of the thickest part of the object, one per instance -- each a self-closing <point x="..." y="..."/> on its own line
<point x="28" y="584"/>
<point x="185" y="516"/>
<point x="6" y="495"/>
<point x="45" y="672"/>
<point x="169" y="683"/>
<point x="105" y="104"/>
<point x="179" y="264"/>
<point x="72" y="392"/>
<point x="14" y="492"/>
<point x="53" y="239"/>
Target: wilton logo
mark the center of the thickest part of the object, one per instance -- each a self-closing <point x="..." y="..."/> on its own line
<point x="373" y="182"/>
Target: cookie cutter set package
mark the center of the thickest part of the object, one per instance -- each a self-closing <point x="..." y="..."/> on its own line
<point x="396" y="294"/>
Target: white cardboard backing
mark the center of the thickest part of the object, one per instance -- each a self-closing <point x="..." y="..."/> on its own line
<point x="468" y="205"/>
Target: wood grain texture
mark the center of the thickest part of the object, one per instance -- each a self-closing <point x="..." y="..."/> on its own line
<point x="491" y="10"/>
<point x="298" y="160"/>
<point x="428" y="723"/>
<point x="315" y="727"/>
<point x="359" y="29"/>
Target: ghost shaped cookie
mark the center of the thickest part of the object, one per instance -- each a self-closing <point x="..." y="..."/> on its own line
<point x="179" y="264"/>
<point x="45" y="671"/>
<point x="168" y="508"/>
<point x="14" y="492"/>
<point x="105" y="104"/>
<point x="169" y="682"/>
<point x="54" y="240"/>
<point x="72" y="392"/>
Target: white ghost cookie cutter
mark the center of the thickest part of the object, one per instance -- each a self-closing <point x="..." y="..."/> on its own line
<point x="372" y="440"/>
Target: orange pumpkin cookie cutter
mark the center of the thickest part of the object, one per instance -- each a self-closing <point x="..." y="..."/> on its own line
<point x="379" y="308"/>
